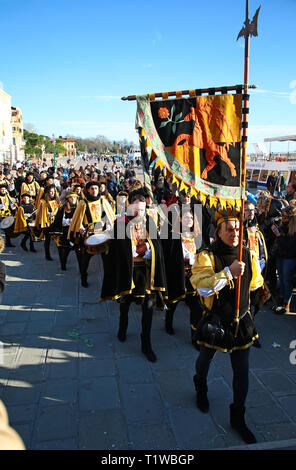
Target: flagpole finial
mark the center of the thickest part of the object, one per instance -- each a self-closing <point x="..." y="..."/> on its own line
<point x="250" y="28"/>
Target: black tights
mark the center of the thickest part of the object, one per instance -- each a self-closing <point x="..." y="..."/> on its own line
<point x="147" y="313"/>
<point x="47" y="243"/>
<point x="240" y="367"/>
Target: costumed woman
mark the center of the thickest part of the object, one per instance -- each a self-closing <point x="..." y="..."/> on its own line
<point x="46" y="212"/>
<point x="60" y="228"/>
<point x="180" y="245"/>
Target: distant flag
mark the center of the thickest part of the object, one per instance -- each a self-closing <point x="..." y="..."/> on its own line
<point x="250" y="28"/>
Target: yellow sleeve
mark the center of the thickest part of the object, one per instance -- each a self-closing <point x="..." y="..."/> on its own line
<point x="20" y="224"/>
<point x="77" y="219"/>
<point x="203" y="272"/>
<point x="108" y="210"/>
<point x="257" y="279"/>
<point x="38" y="198"/>
<point x="205" y="280"/>
<point x="42" y="218"/>
<point x="24" y="188"/>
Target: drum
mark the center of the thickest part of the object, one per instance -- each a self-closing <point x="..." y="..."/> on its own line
<point x="96" y="244"/>
<point x="7" y="222"/>
<point x="7" y="225"/>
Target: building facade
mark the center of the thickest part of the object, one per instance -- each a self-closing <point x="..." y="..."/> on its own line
<point x="18" y="143"/>
<point x="69" y="144"/>
<point x="5" y="127"/>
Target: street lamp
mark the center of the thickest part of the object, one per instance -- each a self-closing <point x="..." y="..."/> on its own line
<point x="54" y="160"/>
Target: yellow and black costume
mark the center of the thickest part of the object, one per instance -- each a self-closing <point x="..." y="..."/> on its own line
<point x="93" y="213"/>
<point x="30" y="187"/>
<point x="46" y="212"/>
<point x="7" y="208"/>
<point x="60" y="228"/>
<point x="216" y="288"/>
<point x="255" y="241"/>
<point x="211" y="276"/>
<point x="24" y="215"/>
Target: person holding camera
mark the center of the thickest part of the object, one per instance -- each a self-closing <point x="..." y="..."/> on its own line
<point x="285" y="257"/>
<point x="214" y="276"/>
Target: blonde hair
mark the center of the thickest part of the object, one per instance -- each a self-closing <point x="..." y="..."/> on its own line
<point x="135" y="186"/>
<point x="291" y="212"/>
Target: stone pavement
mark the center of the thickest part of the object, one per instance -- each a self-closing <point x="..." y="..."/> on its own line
<point x="68" y="383"/>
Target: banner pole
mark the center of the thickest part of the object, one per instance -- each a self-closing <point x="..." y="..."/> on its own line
<point x="243" y="164"/>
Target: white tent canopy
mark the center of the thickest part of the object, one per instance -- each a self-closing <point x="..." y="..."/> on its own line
<point x="286" y="138"/>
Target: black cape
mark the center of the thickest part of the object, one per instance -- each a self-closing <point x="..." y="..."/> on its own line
<point x="118" y="265"/>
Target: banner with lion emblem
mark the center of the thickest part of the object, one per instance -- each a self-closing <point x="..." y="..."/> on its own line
<point x="196" y="140"/>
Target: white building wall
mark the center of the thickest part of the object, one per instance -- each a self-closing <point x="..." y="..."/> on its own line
<point x="5" y="127"/>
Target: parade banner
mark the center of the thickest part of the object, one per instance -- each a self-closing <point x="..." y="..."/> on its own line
<point x="197" y="140"/>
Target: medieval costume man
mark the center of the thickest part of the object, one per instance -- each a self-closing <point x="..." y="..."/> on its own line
<point x="30" y="186"/>
<point x="93" y="213"/>
<point x="214" y="275"/>
<point x="46" y="212"/>
<point x="24" y="216"/>
<point x="134" y="270"/>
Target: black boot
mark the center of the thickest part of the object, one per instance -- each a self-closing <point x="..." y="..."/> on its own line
<point x="84" y="282"/>
<point x="32" y="249"/>
<point x="201" y="394"/>
<point x="169" y="315"/>
<point x="8" y="243"/>
<point x="123" y="323"/>
<point x="237" y="421"/>
<point x="147" y="349"/>
<point x="46" y="248"/>
<point x="23" y="245"/>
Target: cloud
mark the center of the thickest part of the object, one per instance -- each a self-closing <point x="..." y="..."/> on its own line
<point x="284" y="94"/>
<point x="157" y="38"/>
<point x="1" y="86"/>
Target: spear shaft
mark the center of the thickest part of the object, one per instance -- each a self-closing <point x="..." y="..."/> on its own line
<point x="243" y="165"/>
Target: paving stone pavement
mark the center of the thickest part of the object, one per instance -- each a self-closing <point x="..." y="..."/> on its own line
<point x="68" y="383"/>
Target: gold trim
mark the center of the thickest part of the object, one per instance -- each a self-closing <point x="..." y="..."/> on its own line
<point x="246" y="346"/>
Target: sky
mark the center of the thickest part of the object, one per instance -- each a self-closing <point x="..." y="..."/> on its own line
<point x="67" y="64"/>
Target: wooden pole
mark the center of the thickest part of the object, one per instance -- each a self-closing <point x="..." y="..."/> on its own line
<point x="243" y="164"/>
<point x="197" y="92"/>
